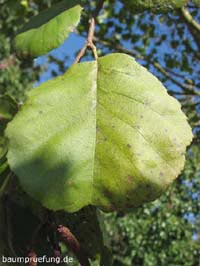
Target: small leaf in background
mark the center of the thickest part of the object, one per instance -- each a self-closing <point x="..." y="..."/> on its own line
<point x="8" y="107"/>
<point x="106" y="133"/>
<point x="3" y="147"/>
<point x="3" y="167"/>
<point x="3" y="160"/>
<point x="48" y="30"/>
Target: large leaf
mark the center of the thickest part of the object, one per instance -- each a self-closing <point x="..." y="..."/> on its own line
<point x="48" y="30"/>
<point x="154" y="5"/>
<point x="105" y="133"/>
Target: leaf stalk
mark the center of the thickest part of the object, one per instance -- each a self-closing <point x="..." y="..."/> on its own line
<point x="89" y="43"/>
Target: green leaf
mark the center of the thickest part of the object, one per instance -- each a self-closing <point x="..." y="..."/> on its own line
<point x="3" y="148"/>
<point x="3" y="167"/>
<point x="8" y="107"/>
<point x="48" y="30"/>
<point x="154" y="5"/>
<point x="105" y="236"/>
<point x="106" y="133"/>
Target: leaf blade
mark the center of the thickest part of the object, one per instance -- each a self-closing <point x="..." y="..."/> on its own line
<point x="70" y="181"/>
<point x="121" y="147"/>
<point x="48" y="30"/>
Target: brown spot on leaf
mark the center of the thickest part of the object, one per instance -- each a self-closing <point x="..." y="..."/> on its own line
<point x="161" y="174"/>
<point x="69" y="182"/>
<point x="129" y="145"/>
<point x="130" y="178"/>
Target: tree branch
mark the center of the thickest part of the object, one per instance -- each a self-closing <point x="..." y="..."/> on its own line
<point x="193" y="26"/>
<point x="188" y="17"/>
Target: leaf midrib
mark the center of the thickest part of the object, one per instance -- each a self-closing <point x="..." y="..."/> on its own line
<point x="95" y="138"/>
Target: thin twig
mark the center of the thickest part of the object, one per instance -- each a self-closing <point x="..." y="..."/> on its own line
<point x="89" y="43"/>
<point x="190" y="19"/>
<point x="193" y="27"/>
<point x="32" y="258"/>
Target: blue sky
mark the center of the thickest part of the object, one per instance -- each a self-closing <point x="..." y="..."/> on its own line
<point x="73" y="44"/>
